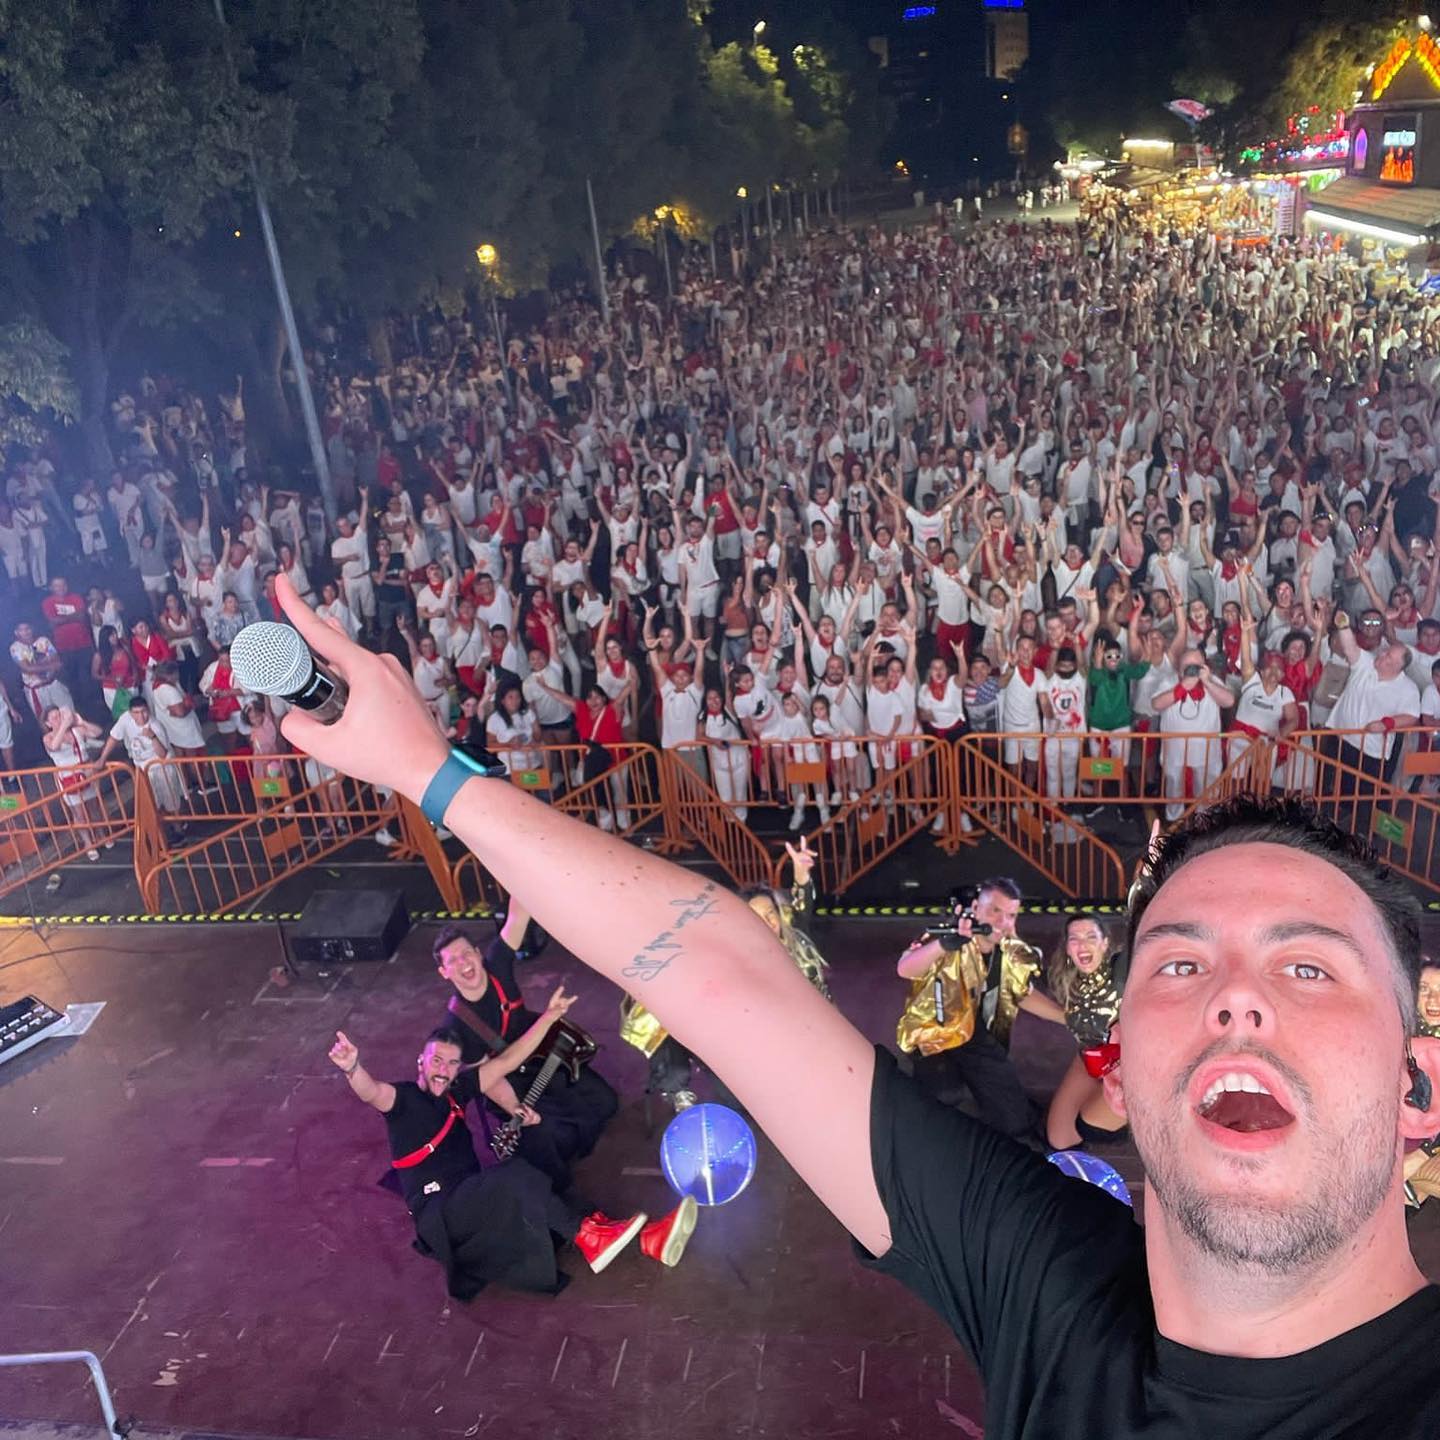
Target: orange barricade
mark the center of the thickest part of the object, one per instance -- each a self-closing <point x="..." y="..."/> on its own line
<point x="1330" y="769"/>
<point x="627" y="798"/>
<point x="51" y="817"/>
<point x="914" y="795"/>
<point x="215" y="832"/>
<point x="703" y="817"/>
<point x="1043" y="834"/>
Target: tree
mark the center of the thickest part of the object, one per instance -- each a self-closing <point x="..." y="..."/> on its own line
<point x="36" y="390"/>
<point x="110" y="159"/>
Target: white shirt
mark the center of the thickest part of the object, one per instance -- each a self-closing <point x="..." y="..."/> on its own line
<point x="945" y="712"/>
<point x="697" y="560"/>
<point x="679" y="713"/>
<point x="1067" y="700"/>
<point x="142" y="745"/>
<point x="1019" y="702"/>
<point x="1261" y="711"/>
<point x="352" y="555"/>
<point x="1367" y="697"/>
<point x="548" y="710"/>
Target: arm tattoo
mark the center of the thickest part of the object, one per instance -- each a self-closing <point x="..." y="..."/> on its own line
<point x="655" y="958"/>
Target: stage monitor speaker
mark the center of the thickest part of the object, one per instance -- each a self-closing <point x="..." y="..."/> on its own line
<point x="343" y="925"/>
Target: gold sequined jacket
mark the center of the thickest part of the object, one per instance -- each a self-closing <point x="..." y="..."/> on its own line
<point x="962" y="981"/>
<point x="1093" y="1006"/>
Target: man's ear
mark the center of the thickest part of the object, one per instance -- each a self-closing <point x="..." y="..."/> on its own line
<point x="1417" y="1123"/>
<point x="1113" y="1082"/>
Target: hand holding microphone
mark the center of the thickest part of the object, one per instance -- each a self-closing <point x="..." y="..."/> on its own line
<point x="379" y="730"/>
<point x="271" y="659"/>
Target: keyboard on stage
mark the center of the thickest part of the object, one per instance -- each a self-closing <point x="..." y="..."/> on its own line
<point x="26" y="1022"/>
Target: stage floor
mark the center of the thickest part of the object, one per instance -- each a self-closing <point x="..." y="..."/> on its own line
<point x="190" y="1192"/>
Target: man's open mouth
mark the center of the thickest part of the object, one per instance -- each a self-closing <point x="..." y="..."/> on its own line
<point x="1241" y="1103"/>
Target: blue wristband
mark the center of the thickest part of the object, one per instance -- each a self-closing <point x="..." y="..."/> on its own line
<point x="457" y="769"/>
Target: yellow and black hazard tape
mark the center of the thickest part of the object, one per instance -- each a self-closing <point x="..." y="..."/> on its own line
<point x="1071" y="907"/>
<point x="484" y="912"/>
<point x="236" y="917"/>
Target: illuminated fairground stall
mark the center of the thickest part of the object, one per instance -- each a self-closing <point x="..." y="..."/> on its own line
<point x="1386" y="205"/>
<point x="1282" y="176"/>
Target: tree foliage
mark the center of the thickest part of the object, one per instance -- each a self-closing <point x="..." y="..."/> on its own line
<point x="391" y="138"/>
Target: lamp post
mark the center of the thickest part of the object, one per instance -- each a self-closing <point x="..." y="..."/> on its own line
<point x="318" y="456"/>
<point x="487" y="257"/>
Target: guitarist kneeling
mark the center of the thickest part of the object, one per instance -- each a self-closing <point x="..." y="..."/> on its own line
<point x="488" y="1010"/>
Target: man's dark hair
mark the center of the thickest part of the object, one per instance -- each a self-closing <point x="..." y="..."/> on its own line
<point x="1285" y="820"/>
<point x="448" y="935"/>
<point x="999" y="885"/>
<point x="446" y="1035"/>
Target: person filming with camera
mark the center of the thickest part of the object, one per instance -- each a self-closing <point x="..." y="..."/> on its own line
<point x="968" y="980"/>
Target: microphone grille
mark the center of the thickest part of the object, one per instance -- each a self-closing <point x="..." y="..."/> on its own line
<point x="270" y="659"/>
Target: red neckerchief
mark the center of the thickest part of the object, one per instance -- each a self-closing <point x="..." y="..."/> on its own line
<point x="1301" y="678"/>
<point x="1028" y="676"/>
<point x="617" y="667"/>
<point x="1229" y="569"/>
<point x="1230" y="640"/>
<point x="939" y="687"/>
<point x="1184" y="692"/>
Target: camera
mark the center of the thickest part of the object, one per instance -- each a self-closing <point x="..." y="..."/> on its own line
<point x="1191" y="672"/>
<point x="960" y="904"/>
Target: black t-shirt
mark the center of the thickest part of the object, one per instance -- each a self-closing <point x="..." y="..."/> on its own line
<point x="415" y="1120"/>
<point x="498" y="1008"/>
<point x="1043" y="1280"/>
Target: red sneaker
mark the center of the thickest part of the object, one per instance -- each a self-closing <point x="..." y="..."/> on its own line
<point x="600" y="1239"/>
<point x="665" y="1239"/>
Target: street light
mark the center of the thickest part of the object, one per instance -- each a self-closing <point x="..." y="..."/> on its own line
<point x="741" y="193"/>
<point x="759" y="29"/>
<point x="488" y="256"/>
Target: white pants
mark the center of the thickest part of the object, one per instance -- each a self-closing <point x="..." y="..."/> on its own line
<point x="1201" y="757"/>
<point x="1116" y="742"/>
<point x="1062" y="766"/>
<point x="730" y="770"/>
<point x="359" y="596"/>
<point x="92" y="536"/>
<point x="41" y="697"/>
<point x="39" y="576"/>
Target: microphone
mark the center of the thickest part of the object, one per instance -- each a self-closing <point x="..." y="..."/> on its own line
<point x="272" y="659"/>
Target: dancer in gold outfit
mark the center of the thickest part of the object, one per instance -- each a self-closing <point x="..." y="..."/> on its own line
<point x="1085" y="977"/>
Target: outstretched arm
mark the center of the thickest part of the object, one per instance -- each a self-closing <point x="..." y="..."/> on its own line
<point x="695" y="954"/>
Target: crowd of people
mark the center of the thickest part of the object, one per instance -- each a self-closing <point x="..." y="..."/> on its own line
<point x="1065" y="482"/>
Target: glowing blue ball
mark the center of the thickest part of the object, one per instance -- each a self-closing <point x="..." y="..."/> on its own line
<point x="1096" y="1171"/>
<point x="708" y="1151"/>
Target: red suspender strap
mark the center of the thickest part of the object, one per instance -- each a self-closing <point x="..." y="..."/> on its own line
<point x="415" y="1157"/>
<point x="507" y="1006"/>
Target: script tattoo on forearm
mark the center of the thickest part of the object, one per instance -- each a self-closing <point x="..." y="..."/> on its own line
<point x="656" y="957"/>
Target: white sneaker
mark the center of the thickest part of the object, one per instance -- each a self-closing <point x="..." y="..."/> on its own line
<point x="606" y="821"/>
<point x="824" y="814"/>
<point x="854" y="796"/>
<point x="835" y="797"/>
<point x="967" y="825"/>
<point x="622" y="819"/>
<point x="797" y="817"/>
<point x="383" y="837"/>
<point x="938" y="828"/>
<point x="443" y="833"/>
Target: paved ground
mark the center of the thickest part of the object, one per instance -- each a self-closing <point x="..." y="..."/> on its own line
<point x="190" y="1192"/>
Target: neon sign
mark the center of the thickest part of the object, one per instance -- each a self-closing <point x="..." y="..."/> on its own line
<point x="1397" y="165"/>
<point x="1424" y="49"/>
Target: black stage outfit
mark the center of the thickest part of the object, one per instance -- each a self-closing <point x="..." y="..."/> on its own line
<point x="572" y="1114"/>
<point x="1043" y="1280"/>
<point x="481" y="1225"/>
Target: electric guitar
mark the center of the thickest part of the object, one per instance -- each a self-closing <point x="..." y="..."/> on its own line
<point x="566" y="1047"/>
